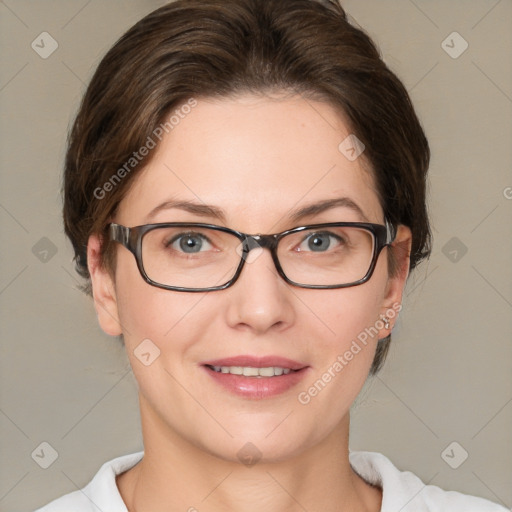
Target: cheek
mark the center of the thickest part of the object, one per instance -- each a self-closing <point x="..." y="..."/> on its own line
<point x="345" y="349"/>
<point x="161" y="329"/>
<point x="349" y="313"/>
<point x="351" y="317"/>
<point x="147" y="312"/>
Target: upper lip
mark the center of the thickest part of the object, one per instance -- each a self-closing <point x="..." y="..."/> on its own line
<point x="256" y="362"/>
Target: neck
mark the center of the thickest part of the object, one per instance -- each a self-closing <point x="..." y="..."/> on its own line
<point x="175" y="475"/>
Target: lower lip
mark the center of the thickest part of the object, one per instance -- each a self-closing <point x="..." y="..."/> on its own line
<point x="257" y="388"/>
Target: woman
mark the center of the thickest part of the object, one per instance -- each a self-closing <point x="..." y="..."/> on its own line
<point x="245" y="194"/>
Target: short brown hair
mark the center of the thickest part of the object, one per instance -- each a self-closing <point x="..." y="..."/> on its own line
<point x="218" y="48"/>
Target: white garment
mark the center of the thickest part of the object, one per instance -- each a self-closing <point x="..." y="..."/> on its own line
<point x="402" y="490"/>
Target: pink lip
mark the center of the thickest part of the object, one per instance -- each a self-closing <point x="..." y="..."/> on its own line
<point x="256" y="388"/>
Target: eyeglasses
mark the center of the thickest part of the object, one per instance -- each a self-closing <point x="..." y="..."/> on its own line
<point x="196" y="257"/>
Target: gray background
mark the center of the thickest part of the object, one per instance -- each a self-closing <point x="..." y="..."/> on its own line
<point x="448" y="377"/>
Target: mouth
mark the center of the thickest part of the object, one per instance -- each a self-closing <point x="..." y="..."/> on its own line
<point x="256" y="377"/>
<point x="251" y="371"/>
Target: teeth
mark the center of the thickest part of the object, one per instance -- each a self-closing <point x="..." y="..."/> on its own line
<point x="266" y="372"/>
<point x="249" y="371"/>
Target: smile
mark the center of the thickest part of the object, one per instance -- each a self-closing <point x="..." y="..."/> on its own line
<point x="250" y="371"/>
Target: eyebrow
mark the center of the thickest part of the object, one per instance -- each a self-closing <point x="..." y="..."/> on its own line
<point x="322" y="206"/>
<point x="206" y="210"/>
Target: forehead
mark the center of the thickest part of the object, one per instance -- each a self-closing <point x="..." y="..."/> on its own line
<point x="257" y="159"/>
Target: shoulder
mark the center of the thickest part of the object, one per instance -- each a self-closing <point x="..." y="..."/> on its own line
<point x="404" y="491"/>
<point x="101" y="493"/>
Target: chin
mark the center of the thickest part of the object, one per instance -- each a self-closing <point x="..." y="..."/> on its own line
<point x="249" y="451"/>
<point x="264" y="441"/>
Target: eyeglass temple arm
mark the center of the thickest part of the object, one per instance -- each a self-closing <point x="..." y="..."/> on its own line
<point x="120" y="234"/>
<point x="390" y="232"/>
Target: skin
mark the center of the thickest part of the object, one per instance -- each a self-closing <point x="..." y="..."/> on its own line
<point x="257" y="158"/>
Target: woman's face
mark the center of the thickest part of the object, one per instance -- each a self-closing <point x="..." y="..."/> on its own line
<point x="256" y="161"/>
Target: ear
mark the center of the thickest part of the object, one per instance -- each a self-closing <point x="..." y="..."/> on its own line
<point x="103" y="289"/>
<point x="392" y="303"/>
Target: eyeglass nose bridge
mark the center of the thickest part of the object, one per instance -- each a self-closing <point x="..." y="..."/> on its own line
<point x="251" y="242"/>
<point x="252" y="246"/>
<point x="258" y="243"/>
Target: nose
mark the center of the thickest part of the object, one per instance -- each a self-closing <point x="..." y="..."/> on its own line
<point x="260" y="299"/>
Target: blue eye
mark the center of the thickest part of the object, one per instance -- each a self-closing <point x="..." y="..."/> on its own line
<point x="321" y="242"/>
<point x="189" y="243"/>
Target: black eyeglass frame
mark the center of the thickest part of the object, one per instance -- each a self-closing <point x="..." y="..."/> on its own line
<point x="131" y="238"/>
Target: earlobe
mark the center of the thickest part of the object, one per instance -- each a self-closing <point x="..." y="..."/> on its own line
<point x="392" y="303"/>
<point x="103" y="289"/>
